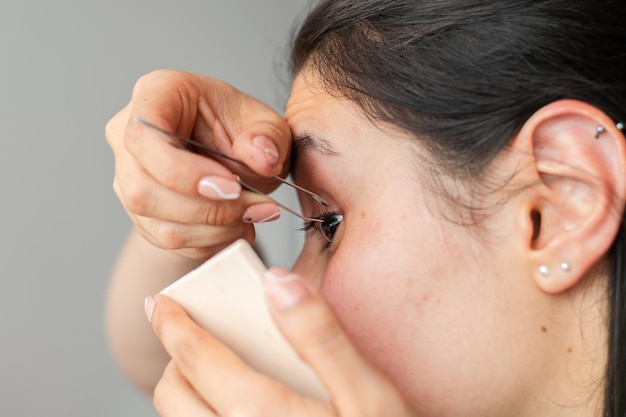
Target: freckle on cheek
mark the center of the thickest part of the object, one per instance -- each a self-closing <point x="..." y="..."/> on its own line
<point x="544" y="329"/>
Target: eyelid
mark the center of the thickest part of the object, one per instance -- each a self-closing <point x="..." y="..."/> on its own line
<point x="316" y="227"/>
<point x="317" y="218"/>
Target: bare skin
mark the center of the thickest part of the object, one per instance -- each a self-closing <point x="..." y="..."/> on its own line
<point x="416" y="314"/>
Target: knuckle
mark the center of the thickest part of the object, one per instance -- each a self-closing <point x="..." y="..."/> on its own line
<point x="116" y="187"/>
<point x="136" y="197"/>
<point x="161" y="394"/>
<point x="170" y="236"/>
<point x="163" y="388"/>
<point x="173" y="79"/>
<point x="108" y="132"/>
<point x="152" y="77"/>
<point x="217" y="215"/>
<point x="170" y="175"/>
<point x="114" y="128"/>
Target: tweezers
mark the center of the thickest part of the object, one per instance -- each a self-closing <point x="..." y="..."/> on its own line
<point x="213" y="151"/>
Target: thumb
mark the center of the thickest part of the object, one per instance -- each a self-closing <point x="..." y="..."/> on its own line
<point x="316" y="334"/>
<point x="264" y="142"/>
<point x="265" y="148"/>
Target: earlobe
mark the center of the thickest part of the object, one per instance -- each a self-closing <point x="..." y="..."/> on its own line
<point x="579" y="163"/>
<point x="558" y="279"/>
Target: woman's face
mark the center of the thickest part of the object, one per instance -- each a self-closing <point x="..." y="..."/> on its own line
<point x="437" y="308"/>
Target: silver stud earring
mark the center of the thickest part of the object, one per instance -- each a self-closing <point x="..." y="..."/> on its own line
<point x="544" y="270"/>
<point x="600" y="129"/>
<point x="566" y="267"/>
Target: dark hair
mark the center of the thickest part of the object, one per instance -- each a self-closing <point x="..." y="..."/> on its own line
<point x="465" y="75"/>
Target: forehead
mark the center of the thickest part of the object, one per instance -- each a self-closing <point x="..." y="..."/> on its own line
<point x="307" y="93"/>
<point x="332" y="134"/>
<point x="328" y="122"/>
<point x="311" y="113"/>
<point x="314" y="112"/>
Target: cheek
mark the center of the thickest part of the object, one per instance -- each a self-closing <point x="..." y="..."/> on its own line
<point x="392" y="315"/>
<point x="411" y="313"/>
<point x="374" y="292"/>
<point x="381" y="290"/>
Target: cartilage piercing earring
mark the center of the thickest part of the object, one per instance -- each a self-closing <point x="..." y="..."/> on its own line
<point x="599" y="130"/>
<point x="544" y="270"/>
<point x="566" y="266"/>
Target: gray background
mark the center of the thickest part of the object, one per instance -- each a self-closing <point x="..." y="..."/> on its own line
<point x="65" y="68"/>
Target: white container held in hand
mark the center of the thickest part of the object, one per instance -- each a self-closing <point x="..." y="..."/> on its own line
<point x="225" y="296"/>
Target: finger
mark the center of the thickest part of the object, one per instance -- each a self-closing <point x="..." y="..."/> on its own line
<point x="265" y="145"/>
<point x="309" y="324"/>
<point x="215" y="372"/>
<point x="177" y="169"/>
<point x="218" y="375"/>
<point x="176" y="236"/>
<point x="217" y="114"/>
<point x="167" y="98"/>
<point x="170" y="100"/>
<point x="143" y="195"/>
<point x="174" y="397"/>
<point x="259" y="136"/>
<point x="114" y="129"/>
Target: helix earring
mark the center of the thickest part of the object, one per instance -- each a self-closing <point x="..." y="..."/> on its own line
<point x="600" y="129"/>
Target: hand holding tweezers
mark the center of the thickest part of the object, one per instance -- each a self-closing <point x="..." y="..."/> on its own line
<point x="213" y="151"/>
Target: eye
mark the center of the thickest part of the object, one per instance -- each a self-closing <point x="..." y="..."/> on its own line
<point x="329" y="226"/>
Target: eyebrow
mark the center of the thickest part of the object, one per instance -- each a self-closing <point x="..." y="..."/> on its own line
<point x="306" y="142"/>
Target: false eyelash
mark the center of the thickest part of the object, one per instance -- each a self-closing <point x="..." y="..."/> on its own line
<point x="312" y="228"/>
<point x="309" y="226"/>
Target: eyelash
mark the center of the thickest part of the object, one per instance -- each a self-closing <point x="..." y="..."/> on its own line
<point x="330" y="220"/>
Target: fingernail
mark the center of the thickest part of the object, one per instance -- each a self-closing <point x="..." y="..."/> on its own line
<point x="268" y="148"/>
<point x="261" y="213"/>
<point x="219" y="188"/>
<point x="148" y="306"/>
<point x="284" y="288"/>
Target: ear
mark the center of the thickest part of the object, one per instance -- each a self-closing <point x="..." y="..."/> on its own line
<point x="572" y="216"/>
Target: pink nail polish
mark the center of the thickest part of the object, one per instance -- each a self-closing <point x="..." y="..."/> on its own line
<point x="219" y="188"/>
<point x="148" y="306"/>
<point x="261" y="213"/>
<point x="285" y="289"/>
<point x="268" y="148"/>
